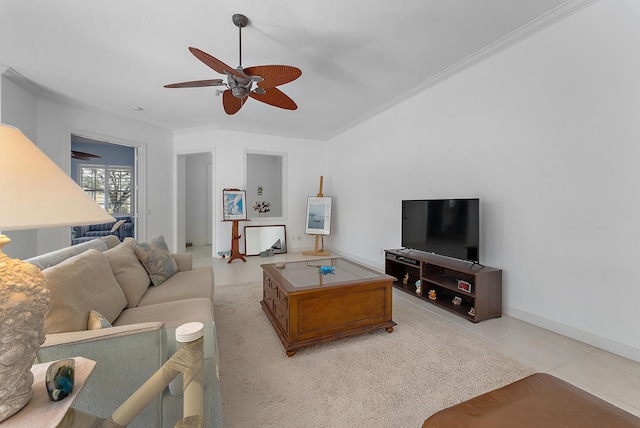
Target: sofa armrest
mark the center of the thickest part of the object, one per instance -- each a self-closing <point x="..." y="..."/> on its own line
<point x="126" y="358"/>
<point x="184" y="261"/>
<point x="54" y="339"/>
<point x="125" y="231"/>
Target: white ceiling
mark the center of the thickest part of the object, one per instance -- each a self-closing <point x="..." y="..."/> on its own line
<point x="357" y="57"/>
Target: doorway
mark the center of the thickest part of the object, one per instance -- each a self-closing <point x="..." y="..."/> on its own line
<point x="195" y="201"/>
<point x="110" y="170"/>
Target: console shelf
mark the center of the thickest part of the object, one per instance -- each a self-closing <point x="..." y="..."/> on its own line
<point x="442" y="275"/>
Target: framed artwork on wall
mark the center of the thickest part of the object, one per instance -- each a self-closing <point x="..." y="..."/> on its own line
<point x="234" y="205"/>
<point x="318" y="215"/>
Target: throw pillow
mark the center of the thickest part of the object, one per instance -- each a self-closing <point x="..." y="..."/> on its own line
<point x="128" y="270"/>
<point x="117" y="225"/>
<point x="97" y="321"/>
<point x="157" y="259"/>
<point x="80" y="284"/>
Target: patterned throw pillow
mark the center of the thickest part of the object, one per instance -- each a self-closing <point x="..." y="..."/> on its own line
<point x="129" y="272"/>
<point x="117" y="225"/>
<point x="157" y="260"/>
<point x="97" y="321"/>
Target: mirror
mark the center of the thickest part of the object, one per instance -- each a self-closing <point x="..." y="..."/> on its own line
<point x="260" y="238"/>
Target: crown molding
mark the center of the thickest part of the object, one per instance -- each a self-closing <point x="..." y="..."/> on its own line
<point x="531" y="28"/>
<point x="20" y="80"/>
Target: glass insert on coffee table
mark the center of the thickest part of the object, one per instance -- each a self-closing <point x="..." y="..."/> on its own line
<point x="321" y="300"/>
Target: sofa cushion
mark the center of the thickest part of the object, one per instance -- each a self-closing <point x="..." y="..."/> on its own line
<point x="97" y="321"/>
<point x="182" y="285"/>
<point x="157" y="259"/>
<point x="54" y="257"/>
<point x="128" y="270"/>
<point x="78" y="285"/>
<point x="172" y="314"/>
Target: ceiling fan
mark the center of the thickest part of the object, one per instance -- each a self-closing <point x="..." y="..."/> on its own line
<point x="240" y="81"/>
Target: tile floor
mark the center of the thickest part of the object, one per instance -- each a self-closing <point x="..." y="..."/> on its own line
<point x="609" y="376"/>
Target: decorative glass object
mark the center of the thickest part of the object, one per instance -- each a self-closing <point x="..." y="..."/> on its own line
<point x="60" y="379"/>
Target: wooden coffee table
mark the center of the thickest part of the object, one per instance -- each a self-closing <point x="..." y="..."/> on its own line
<point x="306" y="307"/>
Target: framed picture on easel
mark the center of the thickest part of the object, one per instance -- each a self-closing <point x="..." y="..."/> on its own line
<point x="318" y="215"/>
<point x="234" y="206"/>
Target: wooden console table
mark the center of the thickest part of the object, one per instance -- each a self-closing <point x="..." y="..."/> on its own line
<point x="448" y="278"/>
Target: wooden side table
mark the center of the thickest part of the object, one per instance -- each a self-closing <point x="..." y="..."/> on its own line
<point x="40" y="408"/>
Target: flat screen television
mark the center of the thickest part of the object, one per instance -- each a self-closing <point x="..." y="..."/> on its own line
<point x="448" y="227"/>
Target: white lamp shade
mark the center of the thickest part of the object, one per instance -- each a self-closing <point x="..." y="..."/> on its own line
<point x="35" y="193"/>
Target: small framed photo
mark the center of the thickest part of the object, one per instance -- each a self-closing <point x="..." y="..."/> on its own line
<point x="464" y="286"/>
<point x="318" y="215"/>
<point x="234" y="205"/>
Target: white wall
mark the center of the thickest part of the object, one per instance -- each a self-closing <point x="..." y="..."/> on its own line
<point x="56" y="121"/>
<point x="18" y="108"/>
<point x="546" y="135"/>
<point x="229" y="147"/>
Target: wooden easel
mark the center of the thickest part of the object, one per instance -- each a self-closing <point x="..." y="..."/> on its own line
<point x="318" y="251"/>
<point x="235" y="243"/>
<point x="235" y="239"/>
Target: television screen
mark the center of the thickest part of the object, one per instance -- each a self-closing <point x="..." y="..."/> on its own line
<point x="449" y="227"/>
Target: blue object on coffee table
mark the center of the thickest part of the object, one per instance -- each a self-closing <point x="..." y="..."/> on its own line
<point x="325" y="269"/>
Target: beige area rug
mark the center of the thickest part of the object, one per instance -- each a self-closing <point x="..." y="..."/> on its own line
<point x="373" y="380"/>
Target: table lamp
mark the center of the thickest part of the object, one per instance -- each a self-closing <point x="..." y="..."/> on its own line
<point x="34" y="193"/>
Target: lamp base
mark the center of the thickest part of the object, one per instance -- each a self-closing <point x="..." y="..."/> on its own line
<point x="24" y="301"/>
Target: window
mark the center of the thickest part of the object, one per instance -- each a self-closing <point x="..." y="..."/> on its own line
<point x="109" y="186"/>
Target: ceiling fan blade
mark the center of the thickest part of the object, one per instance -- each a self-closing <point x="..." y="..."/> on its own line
<point x="276" y="98"/>
<point x="230" y="103"/>
<point x="83" y="155"/>
<point x="196" y="84"/>
<point x="214" y="63"/>
<point x="274" y="75"/>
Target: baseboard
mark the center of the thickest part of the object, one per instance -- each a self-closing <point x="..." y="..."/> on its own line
<point x="604" y="343"/>
<point x="366" y="262"/>
<point x="577" y="334"/>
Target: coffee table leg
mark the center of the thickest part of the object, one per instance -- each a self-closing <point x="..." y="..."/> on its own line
<point x="389" y="329"/>
<point x="291" y="352"/>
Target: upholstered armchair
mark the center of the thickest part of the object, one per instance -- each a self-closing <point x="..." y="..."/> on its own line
<point x="123" y="227"/>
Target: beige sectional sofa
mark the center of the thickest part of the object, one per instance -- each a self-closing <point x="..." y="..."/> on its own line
<point x="133" y="295"/>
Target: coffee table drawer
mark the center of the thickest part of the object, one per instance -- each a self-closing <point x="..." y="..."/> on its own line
<point x="282" y="300"/>
<point x="283" y="318"/>
<point x="277" y="302"/>
<point x="278" y="295"/>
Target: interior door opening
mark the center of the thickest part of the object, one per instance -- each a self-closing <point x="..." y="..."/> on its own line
<point x="108" y="172"/>
<point x="195" y="201"/>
